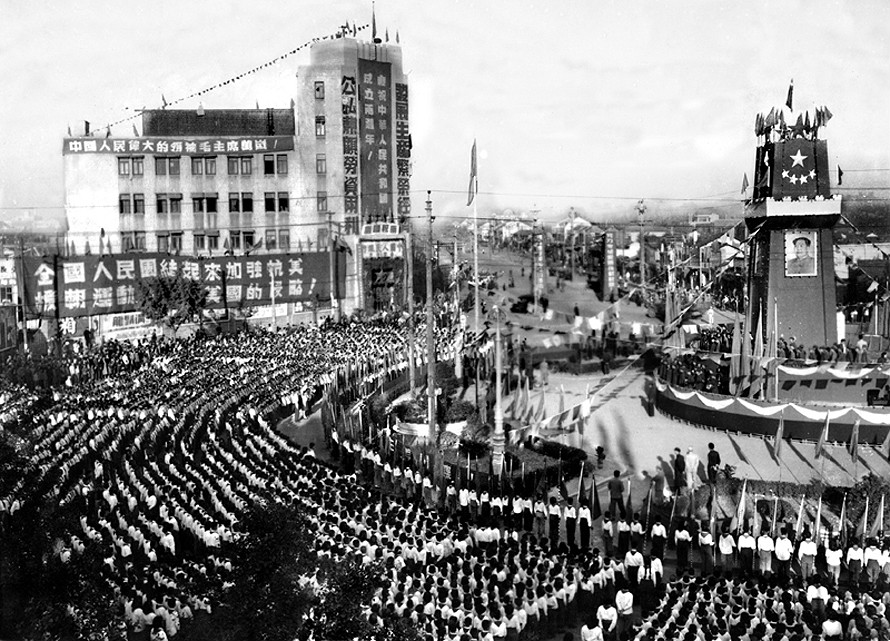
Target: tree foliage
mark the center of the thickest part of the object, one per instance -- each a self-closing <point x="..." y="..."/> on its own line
<point x="172" y="300"/>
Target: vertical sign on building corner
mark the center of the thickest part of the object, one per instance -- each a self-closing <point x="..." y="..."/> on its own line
<point x="610" y="271"/>
<point x="403" y="152"/>
<point x="375" y="140"/>
<point x="349" y="100"/>
<point x="540" y="266"/>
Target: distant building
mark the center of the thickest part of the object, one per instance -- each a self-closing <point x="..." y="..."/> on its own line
<point x="199" y="182"/>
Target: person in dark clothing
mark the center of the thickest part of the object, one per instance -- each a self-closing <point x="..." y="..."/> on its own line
<point x="713" y="467"/>
<point x="616" y="494"/>
<point x="679" y="471"/>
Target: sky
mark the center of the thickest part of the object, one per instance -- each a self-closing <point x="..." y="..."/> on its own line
<point x="581" y="104"/>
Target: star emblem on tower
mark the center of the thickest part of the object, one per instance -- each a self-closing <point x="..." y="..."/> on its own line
<point x="798" y="159"/>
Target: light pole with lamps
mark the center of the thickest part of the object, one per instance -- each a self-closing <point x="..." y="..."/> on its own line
<point x="497" y="440"/>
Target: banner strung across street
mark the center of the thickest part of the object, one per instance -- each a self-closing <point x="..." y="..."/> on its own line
<point x="90" y="285"/>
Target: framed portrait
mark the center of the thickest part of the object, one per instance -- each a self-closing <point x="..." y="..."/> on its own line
<point x="800" y="253"/>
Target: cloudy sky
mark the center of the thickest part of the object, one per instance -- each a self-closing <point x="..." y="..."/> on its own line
<point x="579" y="103"/>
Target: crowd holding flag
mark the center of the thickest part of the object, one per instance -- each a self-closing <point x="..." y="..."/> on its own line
<point x="823" y="436"/>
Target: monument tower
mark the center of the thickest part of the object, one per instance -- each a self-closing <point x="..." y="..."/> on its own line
<point x="791" y="289"/>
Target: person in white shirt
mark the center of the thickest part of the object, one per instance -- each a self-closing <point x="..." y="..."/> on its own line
<point x="806" y="554"/>
<point x="833" y="558"/>
<point x="607" y="616"/>
<point x="784" y="548"/>
<point x="765" y="547"/>
<point x="624" y="604"/>
<point x="726" y="548"/>
<point x="854" y="562"/>
<point x="871" y="559"/>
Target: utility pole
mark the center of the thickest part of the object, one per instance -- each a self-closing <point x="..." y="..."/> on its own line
<point x="430" y="321"/>
<point x="572" y="259"/>
<point x="409" y="299"/>
<point x="641" y="210"/>
<point x="459" y="344"/>
<point x="497" y="439"/>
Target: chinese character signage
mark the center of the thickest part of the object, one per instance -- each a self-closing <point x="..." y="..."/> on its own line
<point x="90" y="285"/>
<point x="177" y="145"/>
<point x="375" y="140"/>
<point x="381" y="249"/>
<point x="349" y="99"/>
<point x="403" y="152"/>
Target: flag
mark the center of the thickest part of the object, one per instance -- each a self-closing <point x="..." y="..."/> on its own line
<point x="629" y="504"/>
<point x="738" y="519"/>
<point x="373" y="23"/>
<point x="564" y="491"/>
<point x="473" y="177"/>
<point x="770" y="120"/>
<point x="860" y="529"/>
<point x="818" y="524"/>
<point x="799" y="523"/>
<point x="840" y="176"/>
<point x="823" y="436"/>
<point x="734" y="365"/>
<point x="757" y="382"/>
<point x="744" y="183"/>
<point x="826" y="115"/>
<point x="790" y="100"/>
<point x="878" y="524"/>
<point x="647" y="507"/>
<point x="854" y="441"/>
<point x="780" y="432"/>
<point x="744" y="360"/>
<point x="595" y="496"/>
<point x="581" y="492"/>
<point x="135" y="131"/>
<point x="806" y="122"/>
<point x="69" y="130"/>
<point x="842" y="524"/>
<point x="539" y="415"/>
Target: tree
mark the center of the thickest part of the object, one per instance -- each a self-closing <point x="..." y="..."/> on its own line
<point x="173" y="300"/>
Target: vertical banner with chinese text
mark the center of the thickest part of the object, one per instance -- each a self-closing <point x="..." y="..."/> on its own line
<point x="375" y="144"/>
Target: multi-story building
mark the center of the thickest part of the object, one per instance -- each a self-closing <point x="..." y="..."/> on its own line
<point x="267" y="180"/>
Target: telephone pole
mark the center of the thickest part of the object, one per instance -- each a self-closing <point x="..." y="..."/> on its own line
<point x="430" y="322"/>
<point x="409" y="299"/>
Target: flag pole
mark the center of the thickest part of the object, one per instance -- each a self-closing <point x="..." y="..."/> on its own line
<point x="476" y="256"/>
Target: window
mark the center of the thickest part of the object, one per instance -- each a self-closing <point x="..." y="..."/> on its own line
<point x="133" y="241"/>
<point x="163" y="207"/>
<point x="284" y="239"/>
<point x="248" y="239"/>
<point x="283" y="201"/>
<point x="268" y="164"/>
<point x="240" y="165"/>
<point x="138" y="166"/>
<point x="319" y="89"/>
<point x="198" y="204"/>
<point x="247" y="202"/>
<point x="321" y="164"/>
<point x="163" y="242"/>
<point x="6" y="294"/>
<point x="123" y="204"/>
<point x="166" y="165"/>
<point x="175" y="203"/>
<point x="210" y="166"/>
<point x="271" y="238"/>
<point x="204" y="202"/>
<point x="210" y="201"/>
<point x="123" y="166"/>
<point x="234" y="202"/>
<point x="322" y="201"/>
<point x="320" y="130"/>
<point x="199" y="242"/>
<point x="138" y="204"/>
<point x="213" y="242"/>
<point x="176" y="242"/>
<point x="197" y="166"/>
<point x="281" y="162"/>
<point x="212" y="222"/>
<point x="234" y="239"/>
<point x="269" y="198"/>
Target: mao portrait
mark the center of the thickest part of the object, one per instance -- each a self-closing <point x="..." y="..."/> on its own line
<point x="800" y="253"/>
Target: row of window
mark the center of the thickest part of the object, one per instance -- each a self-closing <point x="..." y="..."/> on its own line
<point x="273" y="164"/>
<point x="209" y="241"/>
<point x="238" y="202"/>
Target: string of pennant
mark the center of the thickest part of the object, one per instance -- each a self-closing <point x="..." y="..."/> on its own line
<point x="233" y="79"/>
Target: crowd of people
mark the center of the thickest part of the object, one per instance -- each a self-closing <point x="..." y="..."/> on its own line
<point x="163" y="454"/>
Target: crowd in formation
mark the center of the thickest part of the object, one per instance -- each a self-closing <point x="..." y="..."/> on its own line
<point x="162" y="456"/>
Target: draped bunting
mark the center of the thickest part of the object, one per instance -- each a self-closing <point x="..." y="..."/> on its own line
<point x="723" y="403"/>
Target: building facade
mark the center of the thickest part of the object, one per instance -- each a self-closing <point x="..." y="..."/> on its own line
<point x="207" y="182"/>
